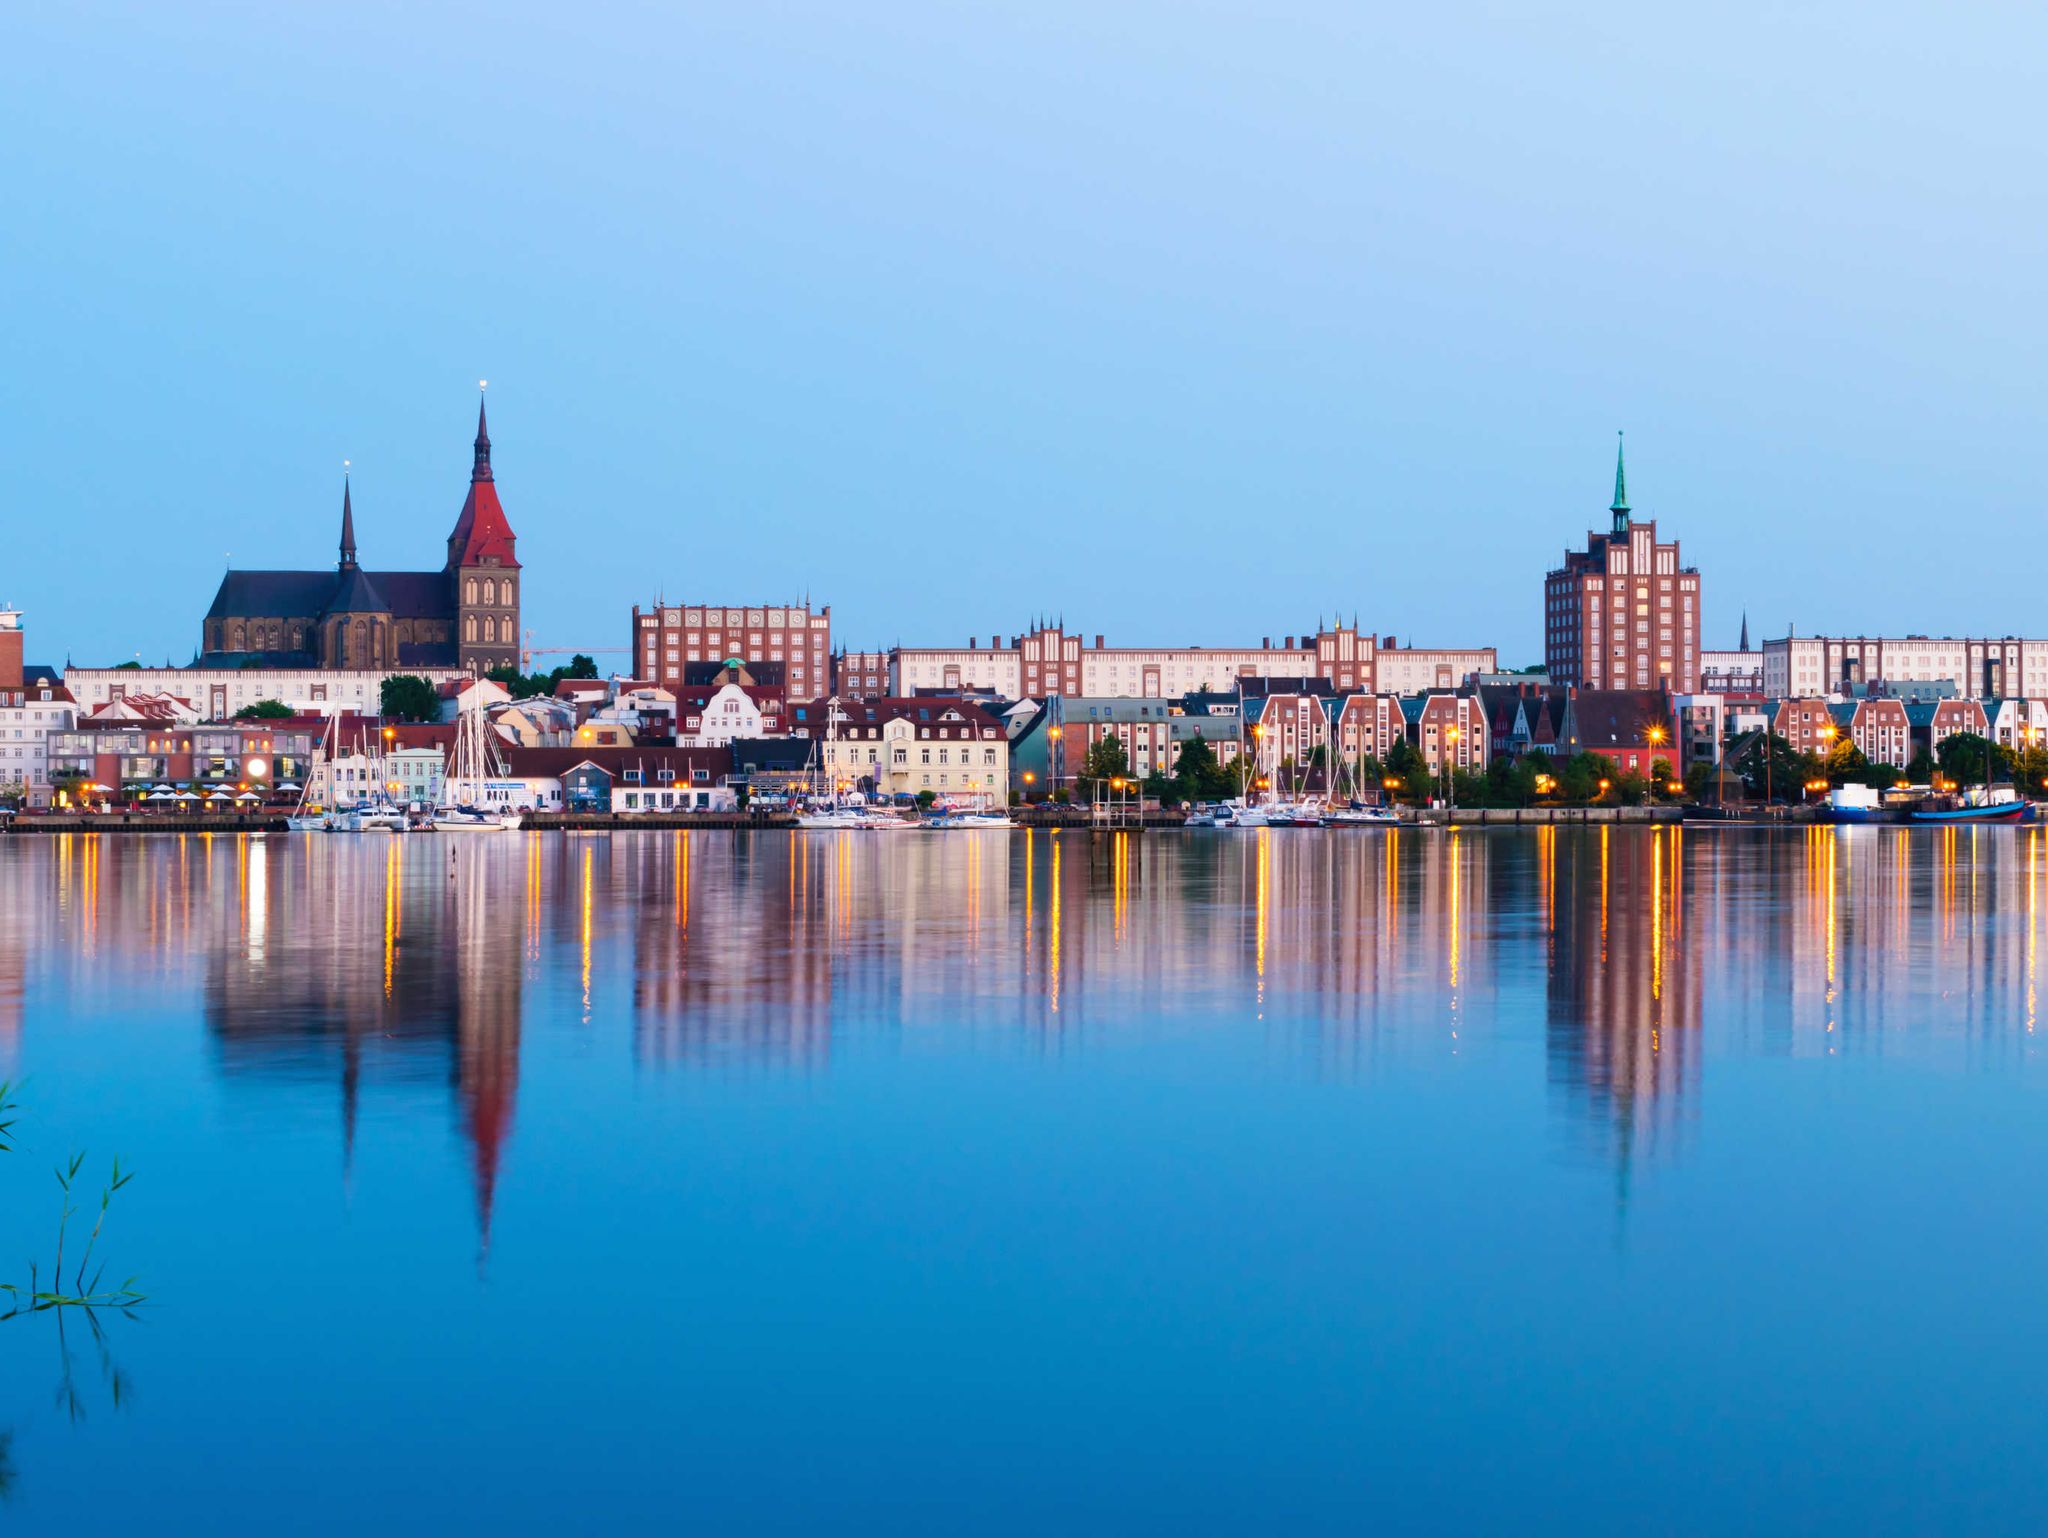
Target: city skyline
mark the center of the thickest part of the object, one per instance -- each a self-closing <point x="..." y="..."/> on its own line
<point x="1182" y="339"/>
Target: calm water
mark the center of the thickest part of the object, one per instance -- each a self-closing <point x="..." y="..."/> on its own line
<point x="1533" y="1181"/>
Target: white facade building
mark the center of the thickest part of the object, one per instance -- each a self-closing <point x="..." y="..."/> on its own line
<point x="217" y="693"/>
<point x="45" y="707"/>
<point x="1976" y="666"/>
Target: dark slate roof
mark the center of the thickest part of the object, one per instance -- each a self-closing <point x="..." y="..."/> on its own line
<point x="757" y="755"/>
<point x="701" y="675"/>
<point x="1254" y="688"/>
<point x="1607" y="718"/>
<point x="416" y="594"/>
<point x="356" y="594"/>
<point x="272" y="594"/>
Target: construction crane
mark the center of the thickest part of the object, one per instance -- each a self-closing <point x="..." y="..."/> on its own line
<point x="529" y="651"/>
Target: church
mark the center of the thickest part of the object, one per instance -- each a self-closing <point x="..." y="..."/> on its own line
<point x="464" y="615"/>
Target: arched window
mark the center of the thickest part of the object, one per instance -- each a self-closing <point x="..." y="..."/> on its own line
<point x="490" y="628"/>
<point x="469" y="628"/>
<point x="469" y="590"/>
<point x="490" y="591"/>
<point x="509" y="599"/>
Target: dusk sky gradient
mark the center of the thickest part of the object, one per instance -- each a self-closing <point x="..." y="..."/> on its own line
<point x="1190" y="322"/>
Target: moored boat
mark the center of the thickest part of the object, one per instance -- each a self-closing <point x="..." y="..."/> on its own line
<point x="1991" y="804"/>
<point x="1853" y="803"/>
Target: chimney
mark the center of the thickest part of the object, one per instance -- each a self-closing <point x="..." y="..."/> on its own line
<point x="973" y="643"/>
<point x="10" y="650"/>
<point x="995" y="643"/>
<point x="1098" y="643"/>
<point x="1290" y="643"/>
<point x="1265" y="643"/>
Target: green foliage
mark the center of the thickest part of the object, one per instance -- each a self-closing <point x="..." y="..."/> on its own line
<point x="130" y="666"/>
<point x="1198" y="776"/>
<point x="925" y="799"/>
<point x="265" y="710"/>
<point x="1962" y="758"/>
<point x="408" y="697"/>
<point x="1104" y="761"/>
<point x="1699" y="779"/>
<point x="526" y="686"/>
<point x="1159" y="787"/>
<point x="1772" y="770"/>
<point x="1844" y="763"/>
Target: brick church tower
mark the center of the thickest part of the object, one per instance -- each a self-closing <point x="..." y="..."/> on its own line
<point x="483" y="570"/>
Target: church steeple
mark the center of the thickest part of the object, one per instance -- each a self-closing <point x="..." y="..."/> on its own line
<point x="348" y="526"/>
<point x="1745" y="630"/>
<point x="1620" y="507"/>
<point x="481" y="471"/>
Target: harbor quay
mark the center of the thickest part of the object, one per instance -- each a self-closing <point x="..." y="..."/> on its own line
<point x="365" y="698"/>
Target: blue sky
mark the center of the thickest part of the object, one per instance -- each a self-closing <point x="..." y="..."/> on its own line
<point x="1192" y="322"/>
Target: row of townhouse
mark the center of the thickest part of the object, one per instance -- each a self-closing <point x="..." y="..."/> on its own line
<point x="1283" y="726"/>
<point x="1893" y="731"/>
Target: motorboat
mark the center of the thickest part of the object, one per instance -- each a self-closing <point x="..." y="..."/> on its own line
<point x="1853" y="803"/>
<point x="970" y="820"/>
<point x="372" y="817"/>
<point x="1365" y="816"/>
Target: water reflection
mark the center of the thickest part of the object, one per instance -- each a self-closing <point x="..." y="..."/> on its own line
<point x="391" y="967"/>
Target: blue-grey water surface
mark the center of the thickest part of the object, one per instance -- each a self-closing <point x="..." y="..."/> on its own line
<point x="1539" y="1181"/>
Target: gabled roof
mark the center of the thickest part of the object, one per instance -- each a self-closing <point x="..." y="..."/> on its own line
<point x="1619" y="718"/>
<point x="356" y="594"/>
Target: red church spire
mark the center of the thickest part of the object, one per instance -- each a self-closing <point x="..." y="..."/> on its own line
<point x="482" y="536"/>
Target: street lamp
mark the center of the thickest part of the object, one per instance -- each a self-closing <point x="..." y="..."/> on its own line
<point x="1053" y="735"/>
<point x="1451" y="767"/>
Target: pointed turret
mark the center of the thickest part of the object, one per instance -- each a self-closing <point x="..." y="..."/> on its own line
<point x="348" y="527"/>
<point x="481" y="470"/>
<point x="1745" y="630"/>
<point x="1620" y="507"/>
<point x="481" y="536"/>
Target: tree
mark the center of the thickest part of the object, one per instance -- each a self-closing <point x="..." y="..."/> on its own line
<point x="265" y="710"/>
<point x="408" y="697"/>
<point x="1920" y="768"/>
<point x="1159" y="786"/>
<point x="1660" y="779"/>
<point x="1406" y="764"/>
<point x="1699" y="779"/>
<point x="1197" y="776"/>
<point x="1772" y="770"/>
<point x="579" y="666"/>
<point x="1104" y="761"/>
<point x="1844" y="762"/>
<point x="1962" y="756"/>
<point x="1579" y="779"/>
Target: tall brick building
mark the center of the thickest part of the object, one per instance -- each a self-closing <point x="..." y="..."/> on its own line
<point x="1624" y="613"/>
<point x="670" y="637"/>
<point x="464" y="615"/>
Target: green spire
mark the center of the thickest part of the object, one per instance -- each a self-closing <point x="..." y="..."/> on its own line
<point x="1620" y="507"/>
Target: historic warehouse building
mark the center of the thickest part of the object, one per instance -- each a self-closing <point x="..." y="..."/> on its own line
<point x="464" y="615"/>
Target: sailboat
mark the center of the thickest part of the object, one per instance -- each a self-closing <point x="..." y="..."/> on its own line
<point x="376" y="813"/>
<point x="474" y="792"/>
<point x="307" y="816"/>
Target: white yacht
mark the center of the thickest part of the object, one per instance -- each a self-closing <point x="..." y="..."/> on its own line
<point x="476" y="797"/>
